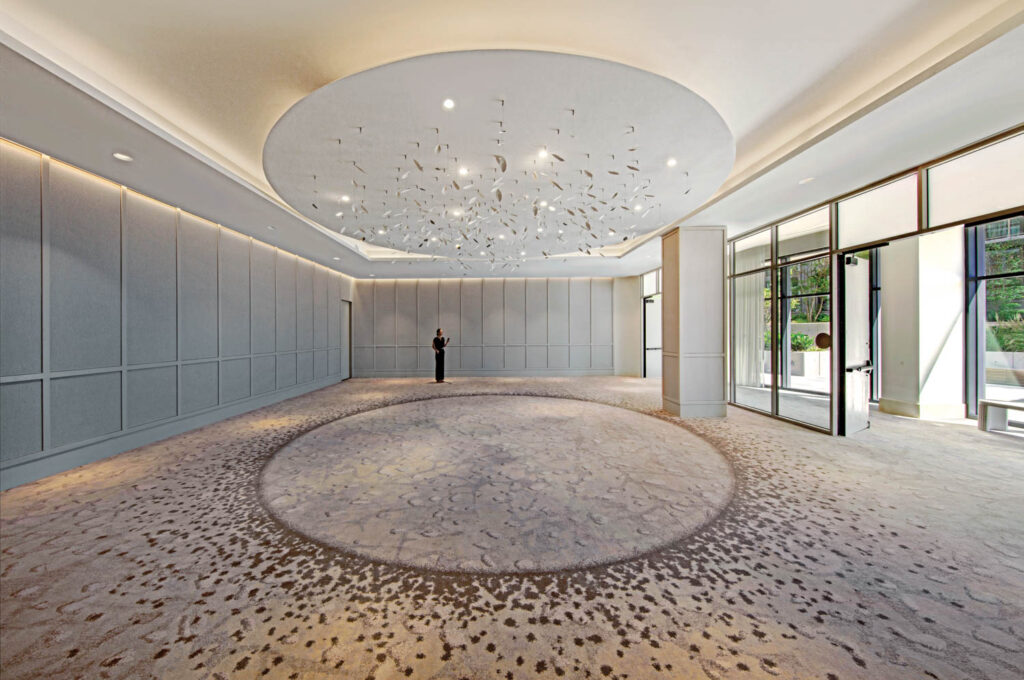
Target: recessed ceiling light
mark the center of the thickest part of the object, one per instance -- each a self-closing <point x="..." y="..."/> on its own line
<point x="543" y="204"/>
<point x="522" y="252"/>
<point x="638" y="207"/>
<point x="543" y="153"/>
<point x="540" y="228"/>
<point x="448" y="104"/>
<point x="433" y="238"/>
<point x="611" y="232"/>
<point x="345" y="198"/>
<point x="501" y="236"/>
<point x="560" y="231"/>
<point x="463" y="171"/>
<point x="483" y="252"/>
<point x="457" y="213"/>
<point x="121" y="156"/>
<point x="551" y="208"/>
<point x="335" y="258"/>
<point x="671" y="162"/>
<point x="270" y="228"/>
<point x="380" y="231"/>
<point x="372" y="274"/>
<point x="806" y="180"/>
<point x="338" y="214"/>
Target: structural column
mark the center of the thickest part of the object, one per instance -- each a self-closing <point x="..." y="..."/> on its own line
<point x="923" y="325"/>
<point x="693" y="322"/>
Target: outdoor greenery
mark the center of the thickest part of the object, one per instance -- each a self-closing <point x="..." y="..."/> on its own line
<point x="1006" y="336"/>
<point x="1004" y="298"/>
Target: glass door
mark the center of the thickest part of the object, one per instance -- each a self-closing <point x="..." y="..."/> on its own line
<point x="995" y="307"/>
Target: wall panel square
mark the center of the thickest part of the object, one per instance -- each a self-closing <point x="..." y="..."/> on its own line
<point x="424" y="358"/>
<point x="470" y="327"/>
<point x="515" y="312"/>
<point x="334" y="362"/>
<point x="285" y="292"/>
<point x="384" y="313"/>
<point x="199" y="386"/>
<point x="427" y="321"/>
<point x="286" y="370"/>
<point x="558" y="312"/>
<point x="152" y="395"/>
<point x="21" y="413"/>
<point x="263" y="282"/>
<point x="235" y="380"/>
<point x="362" y="359"/>
<point x="334" y="311"/>
<point x="453" y="358"/>
<point x="450" y="305"/>
<point x="304" y="367"/>
<point x="320" y="313"/>
<point x="515" y="358"/>
<point x="558" y="356"/>
<point x="493" y="313"/>
<point x="344" y="318"/>
<point x="472" y="358"/>
<point x="84" y="217"/>
<point x="384" y="358"/>
<point x="304" y="305"/>
<point x="601" y="311"/>
<point x="579" y="311"/>
<point x="151" y="280"/>
<point x="83" y="407"/>
<point x="405" y="312"/>
<point x="362" y="313"/>
<point x="234" y="294"/>
<point x="321" y="368"/>
<point x="601" y="356"/>
<point x="264" y="374"/>
<point x="494" y="358"/>
<point x="579" y="356"/>
<point x="197" y="277"/>
<point x="536" y="311"/>
<point x="536" y="357"/>
<point x="405" y="358"/>
<point x="21" y="257"/>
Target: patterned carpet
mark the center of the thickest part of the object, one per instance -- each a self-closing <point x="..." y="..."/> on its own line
<point x="262" y="546"/>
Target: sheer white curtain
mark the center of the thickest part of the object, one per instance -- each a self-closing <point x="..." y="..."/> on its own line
<point x="749" y="328"/>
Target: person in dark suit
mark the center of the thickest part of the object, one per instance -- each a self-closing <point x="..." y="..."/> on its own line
<point x="440" y="342"/>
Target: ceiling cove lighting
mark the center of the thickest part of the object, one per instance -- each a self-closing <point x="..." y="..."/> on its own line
<point x="121" y="156"/>
<point x="448" y="104"/>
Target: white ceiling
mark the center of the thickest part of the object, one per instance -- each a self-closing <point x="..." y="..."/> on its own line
<point x="540" y="153"/>
<point x="192" y="89"/>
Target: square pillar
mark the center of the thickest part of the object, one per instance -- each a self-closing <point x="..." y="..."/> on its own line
<point x="923" y="286"/>
<point x="693" y="322"/>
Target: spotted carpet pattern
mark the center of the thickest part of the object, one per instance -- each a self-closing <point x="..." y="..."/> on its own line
<point x="497" y="484"/>
<point x="895" y="554"/>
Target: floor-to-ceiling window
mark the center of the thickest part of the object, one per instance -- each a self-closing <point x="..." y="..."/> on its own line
<point x="651" y="283"/>
<point x="995" y="269"/>
<point x="782" y="278"/>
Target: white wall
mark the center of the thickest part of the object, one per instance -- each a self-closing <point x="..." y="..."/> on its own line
<point x="497" y="326"/>
<point x="124" y="320"/>
<point x="628" y="322"/>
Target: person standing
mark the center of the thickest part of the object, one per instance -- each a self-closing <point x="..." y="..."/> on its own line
<point x="440" y="342"/>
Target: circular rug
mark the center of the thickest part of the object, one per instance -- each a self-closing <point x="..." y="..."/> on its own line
<point x="497" y="484"/>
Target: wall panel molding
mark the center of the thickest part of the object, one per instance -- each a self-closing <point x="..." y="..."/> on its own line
<point x="125" y="320"/>
<point x="497" y="326"/>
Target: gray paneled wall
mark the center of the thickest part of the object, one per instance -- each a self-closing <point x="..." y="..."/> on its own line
<point x="123" y="319"/>
<point x="497" y="326"/>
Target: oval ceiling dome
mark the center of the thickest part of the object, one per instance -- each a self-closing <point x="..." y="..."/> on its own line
<point x="500" y="155"/>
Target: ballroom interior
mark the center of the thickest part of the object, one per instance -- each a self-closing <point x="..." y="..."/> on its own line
<point x="512" y="340"/>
